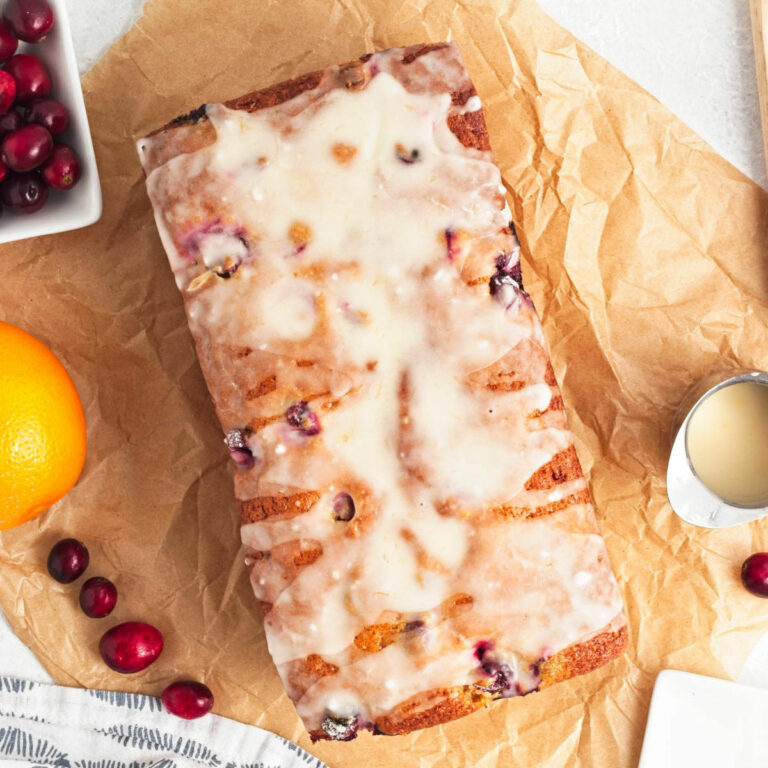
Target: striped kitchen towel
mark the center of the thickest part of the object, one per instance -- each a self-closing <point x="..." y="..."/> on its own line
<point x="47" y="725"/>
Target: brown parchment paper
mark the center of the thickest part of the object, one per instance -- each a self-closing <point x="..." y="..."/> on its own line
<point x="644" y="252"/>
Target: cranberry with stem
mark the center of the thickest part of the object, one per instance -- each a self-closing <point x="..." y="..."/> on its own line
<point x="49" y="113"/>
<point x="31" y="76"/>
<point x="754" y="574"/>
<point x="27" y="148"/>
<point x="24" y="192"/>
<point x="131" y="647"/>
<point x="8" y="42"/>
<point x="188" y="699"/>
<point x="98" y="597"/>
<point x="29" y="20"/>
<point x="62" y="169"/>
<point x="68" y="560"/>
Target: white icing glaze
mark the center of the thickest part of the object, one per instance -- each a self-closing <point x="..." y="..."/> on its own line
<point x="356" y="257"/>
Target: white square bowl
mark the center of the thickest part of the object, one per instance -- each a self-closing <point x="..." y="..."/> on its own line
<point x="81" y="205"/>
<point x="704" y="722"/>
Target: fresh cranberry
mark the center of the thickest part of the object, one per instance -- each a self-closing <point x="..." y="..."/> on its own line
<point x="24" y="192"/>
<point x="98" y="597"/>
<point x="8" y="42"/>
<point x="3" y="170"/>
<point x="32" y="78"/>
<point x="62" y="169"/>
<point x="29" y="20"/>
<point x="236" y="441"/>
<point x="7" y="91"/>
<point x="188" y="699"/>
<point x="27" y="148"/>
<point x="49" y="113"/>
<point x="10" y="121"/>
<point x="343" y="507"/>
<point x="302" y="418"/>
<point x="67" y="560"/>
<point x="131" y="647"/>
<point x="754" y="574"/>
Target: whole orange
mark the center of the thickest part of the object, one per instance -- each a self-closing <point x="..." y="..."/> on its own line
<point x="42" y="428"/>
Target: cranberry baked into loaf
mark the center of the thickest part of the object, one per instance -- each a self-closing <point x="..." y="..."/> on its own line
<point x="418" y="530"/>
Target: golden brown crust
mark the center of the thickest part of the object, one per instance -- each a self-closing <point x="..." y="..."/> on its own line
<point x="279" y="507"/>
<point x="302" y="674"/>
<point x="563" y="467"/>
<point x="192" y="131"/>
<point x="376" y="637"/>
<point x="505" y="511"/>
<point x="432" y="708"/>
<point x="470" y="130"/>
<point x="443" y="705"/>
<point x="584" y="657"/>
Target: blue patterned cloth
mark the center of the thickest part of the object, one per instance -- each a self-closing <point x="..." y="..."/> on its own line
<point x="45" y="725"/>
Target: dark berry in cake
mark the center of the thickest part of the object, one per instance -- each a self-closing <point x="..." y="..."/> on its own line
<point x="451" y="244"/>
<point x="406" y="156"/>
<point x="340" y="728"/>
<point x="302" y="418"/>
<point x="236" y="441"/>
<point x="343" y="507"/>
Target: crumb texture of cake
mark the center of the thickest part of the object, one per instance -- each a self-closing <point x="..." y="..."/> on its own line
<point x="418" y="529"/>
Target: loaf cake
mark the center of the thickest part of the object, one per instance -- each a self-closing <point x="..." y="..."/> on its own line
<point x="419" y="533"/>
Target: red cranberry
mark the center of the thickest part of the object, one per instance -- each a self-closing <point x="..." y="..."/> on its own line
<point x="29" y="20"/>
<point x="301" y="417"/>
<point x="27" y="147"/>
<point x="7" y="91"/>
<point x="754" y="574"/>
<point x="98" y="597"/>
<point x="8" y="42"/>
<point x="131" y="647"/>
<point x="188" y="699"/>
<point x="62" y="169"/>
<point x="24" y="192"/>
<point x="10" y="121"/>
<point x="32" y="78"/>
<point x="49" y="113"/>
<point x="3" y="170"/>
<point x="68" y="560"/>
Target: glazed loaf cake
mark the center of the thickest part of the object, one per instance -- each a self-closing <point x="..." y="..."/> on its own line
<point x="418" y="530"/>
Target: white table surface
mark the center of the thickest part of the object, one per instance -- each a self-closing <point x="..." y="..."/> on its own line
<point x="693" y="55"/>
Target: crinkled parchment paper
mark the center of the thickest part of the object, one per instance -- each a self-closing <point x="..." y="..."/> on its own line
<point x="645" y="255"/>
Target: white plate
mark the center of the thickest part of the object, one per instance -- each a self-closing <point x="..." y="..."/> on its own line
<point x="80" y="206"/>
<point x="705" y="722"/>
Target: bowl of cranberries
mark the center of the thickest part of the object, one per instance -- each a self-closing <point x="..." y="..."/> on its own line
<point x="48" y="177"/>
